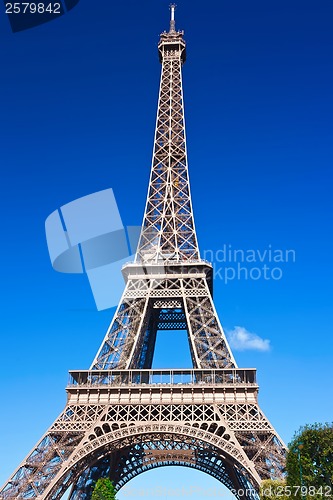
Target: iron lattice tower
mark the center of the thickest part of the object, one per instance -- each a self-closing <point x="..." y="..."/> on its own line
<point x="122" y="417"/>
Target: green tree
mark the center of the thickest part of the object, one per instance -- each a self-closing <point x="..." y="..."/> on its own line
<point x="273" y="490"/>
<point x="104" y="490"/>
<point x="310" y="462"/>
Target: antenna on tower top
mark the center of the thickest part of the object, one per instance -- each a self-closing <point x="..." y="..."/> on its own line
<point x="172" y="19"/>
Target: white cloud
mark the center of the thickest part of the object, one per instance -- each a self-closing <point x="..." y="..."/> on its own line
<point x="241" y="340"/>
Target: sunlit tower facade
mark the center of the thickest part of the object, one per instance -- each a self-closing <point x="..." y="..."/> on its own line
<point x="122" y="417"/>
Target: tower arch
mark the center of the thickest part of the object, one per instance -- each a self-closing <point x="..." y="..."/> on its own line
<point x="137" y="449"/>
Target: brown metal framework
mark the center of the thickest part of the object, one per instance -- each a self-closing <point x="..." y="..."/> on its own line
<point x="123" y="418"/>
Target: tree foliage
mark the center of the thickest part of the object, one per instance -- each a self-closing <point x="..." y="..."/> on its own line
<point x="104" y="490"/>
<point x="273" y="490"/>
<point x="310" y="461"/>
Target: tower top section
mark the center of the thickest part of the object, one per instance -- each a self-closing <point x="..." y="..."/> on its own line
<point x="172" y="18"/>
<point x="171" y="44"/>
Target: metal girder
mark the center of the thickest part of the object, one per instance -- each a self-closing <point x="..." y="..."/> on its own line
<point x="136" y="323"/>
<point x="172" y="320"/>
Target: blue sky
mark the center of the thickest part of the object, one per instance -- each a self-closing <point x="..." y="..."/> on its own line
<point x="78" y="106"/>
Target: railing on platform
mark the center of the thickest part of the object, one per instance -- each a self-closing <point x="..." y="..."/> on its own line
<point x="167" y="262"/>
<point x="218" y="377"/>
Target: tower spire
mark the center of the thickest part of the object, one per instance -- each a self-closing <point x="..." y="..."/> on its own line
<point x="172" y="18"/>
<point x="168" y="231"/>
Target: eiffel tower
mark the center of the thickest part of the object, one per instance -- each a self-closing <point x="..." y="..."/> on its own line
<point x="122" y="417"/>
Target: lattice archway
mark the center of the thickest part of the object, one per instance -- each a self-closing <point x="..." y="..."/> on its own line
<point x="135" y="449"/>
